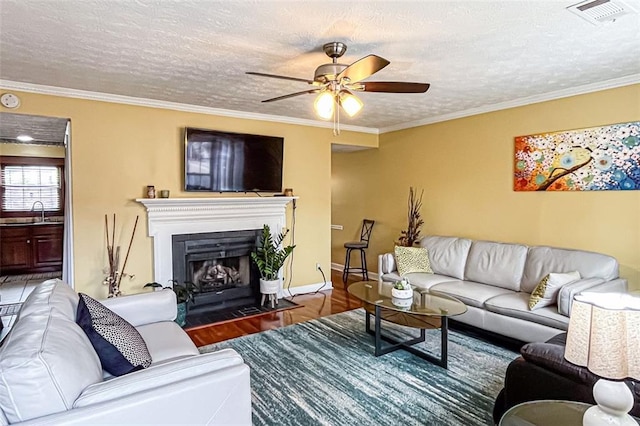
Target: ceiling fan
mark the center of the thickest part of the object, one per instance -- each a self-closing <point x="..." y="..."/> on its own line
<point x="335" y="82"/>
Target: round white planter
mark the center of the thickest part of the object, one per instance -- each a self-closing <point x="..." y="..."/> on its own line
<point x="269" y="286"/>
<point x="401" y="294"/>
<point x="402" y="303"/>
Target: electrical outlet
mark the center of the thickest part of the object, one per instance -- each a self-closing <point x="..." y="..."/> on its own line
<point x="318" y="267"/>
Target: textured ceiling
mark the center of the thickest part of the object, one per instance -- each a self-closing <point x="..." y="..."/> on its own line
<point x="43" y="130"/>
<point x="474" y="53"/>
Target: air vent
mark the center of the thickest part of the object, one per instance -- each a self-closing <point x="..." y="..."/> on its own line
<point x="599" y="12"/>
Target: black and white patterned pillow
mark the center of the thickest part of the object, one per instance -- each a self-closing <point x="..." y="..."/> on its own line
<point x="120" y="347"/>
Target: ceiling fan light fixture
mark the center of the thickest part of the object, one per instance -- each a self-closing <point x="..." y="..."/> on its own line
<point x="24" y="138"/>
<point x="324" y="105"/>
<point x="350" y="103"/>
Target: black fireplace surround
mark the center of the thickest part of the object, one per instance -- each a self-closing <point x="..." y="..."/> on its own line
<point x="220" y="266"/>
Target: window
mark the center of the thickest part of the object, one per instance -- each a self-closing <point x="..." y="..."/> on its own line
<point x="27" y="180"/>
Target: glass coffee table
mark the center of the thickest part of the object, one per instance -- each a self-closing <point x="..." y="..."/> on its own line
<point x="424" y="311"/>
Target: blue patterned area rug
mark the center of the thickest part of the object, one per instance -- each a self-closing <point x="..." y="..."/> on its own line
<point x="323" y="372"/>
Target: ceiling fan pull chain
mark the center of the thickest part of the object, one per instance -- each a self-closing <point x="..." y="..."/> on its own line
<point x="336" y="118"/>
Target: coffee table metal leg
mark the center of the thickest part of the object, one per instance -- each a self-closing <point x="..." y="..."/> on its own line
<point x="407" y="345"/>
<point x="378" y="344"/>
<point x="444" y="335"/>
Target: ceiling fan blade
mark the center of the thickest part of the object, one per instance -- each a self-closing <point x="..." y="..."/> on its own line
<point x="283" y="77"/>
<point x="363" y="68"/>
<point x="291" y="95"/>
<point x="394" y="87"/>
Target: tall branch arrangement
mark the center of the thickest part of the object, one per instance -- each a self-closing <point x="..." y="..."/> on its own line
<point x="114" y="278"/>
<point x="415" y="222"/>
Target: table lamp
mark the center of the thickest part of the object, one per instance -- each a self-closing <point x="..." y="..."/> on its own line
<point x="604" y="336"/>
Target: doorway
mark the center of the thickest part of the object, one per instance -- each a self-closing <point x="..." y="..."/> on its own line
<point x="35" y="207"/>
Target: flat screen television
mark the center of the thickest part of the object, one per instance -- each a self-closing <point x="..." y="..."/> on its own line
<point x="232" y="162"/>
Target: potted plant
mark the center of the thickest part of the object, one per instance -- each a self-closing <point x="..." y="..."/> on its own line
<point x="184" y="294"/>
<point x="269" y="257"/>
<point x="402" y="289"/>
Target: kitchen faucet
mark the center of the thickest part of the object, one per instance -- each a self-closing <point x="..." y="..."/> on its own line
<point x="33" y="208"/>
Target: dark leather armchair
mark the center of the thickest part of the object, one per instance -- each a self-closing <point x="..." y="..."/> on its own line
<point x="543" y="373"/>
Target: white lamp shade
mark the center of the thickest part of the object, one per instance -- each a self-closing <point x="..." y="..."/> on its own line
<point x="350" y="103"/>
<point x="604" y="335"/>
<point x="324" y="105"/>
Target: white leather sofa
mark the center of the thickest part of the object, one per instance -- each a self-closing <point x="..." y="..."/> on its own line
<point x="50" y="373"/>
<point x="495" y="281"/>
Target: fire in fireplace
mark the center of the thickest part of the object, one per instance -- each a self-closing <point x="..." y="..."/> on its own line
<point x="220" y="266"/>
<point x="218" y="274"/>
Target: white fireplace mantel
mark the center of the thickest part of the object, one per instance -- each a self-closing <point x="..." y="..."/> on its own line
<point x="174" y="216"/>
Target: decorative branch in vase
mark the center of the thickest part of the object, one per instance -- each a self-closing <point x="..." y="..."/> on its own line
<point x="115" y="274"/>
<point x="415" y="222"/>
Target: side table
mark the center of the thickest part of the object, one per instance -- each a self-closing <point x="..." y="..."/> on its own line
<point x="545" y="413"/>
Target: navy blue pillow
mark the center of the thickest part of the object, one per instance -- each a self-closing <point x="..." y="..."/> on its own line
<point x="119" y="346"/>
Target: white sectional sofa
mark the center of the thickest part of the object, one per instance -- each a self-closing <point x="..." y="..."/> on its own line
<point x="51" y="374"/>
<point x="495" y="281"/>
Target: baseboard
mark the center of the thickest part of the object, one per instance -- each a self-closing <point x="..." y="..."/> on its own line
<point x="309" y="288"/>
<point x="340" y="268"/>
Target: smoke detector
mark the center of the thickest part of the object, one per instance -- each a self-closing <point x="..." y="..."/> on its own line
<point x="600" y="12"/>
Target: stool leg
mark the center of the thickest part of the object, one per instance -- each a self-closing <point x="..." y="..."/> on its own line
<point x="363" y="260"/>
<point x="263" y="297"/>
<point x="345" y="273"/>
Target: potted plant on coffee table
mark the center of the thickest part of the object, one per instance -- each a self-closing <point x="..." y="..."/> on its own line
<point x="269" y="257"/>
<point x="184" y="294"/>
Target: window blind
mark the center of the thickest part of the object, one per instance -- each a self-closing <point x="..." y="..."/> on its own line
<point x="24" y="185"/>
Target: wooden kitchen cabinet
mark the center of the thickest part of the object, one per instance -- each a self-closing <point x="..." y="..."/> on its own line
<point x="31" y="248"/>
<point x="15" y="251"/>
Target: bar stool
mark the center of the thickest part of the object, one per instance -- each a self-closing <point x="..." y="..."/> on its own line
<point x="365" y="235"/>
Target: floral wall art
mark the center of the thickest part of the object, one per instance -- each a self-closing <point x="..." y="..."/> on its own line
<point x="593" y="159"/>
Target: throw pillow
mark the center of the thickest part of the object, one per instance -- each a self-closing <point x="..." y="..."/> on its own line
<point x="119" y="345"/>
<point x="546" y="292"/>
<point x="412" y="259"/>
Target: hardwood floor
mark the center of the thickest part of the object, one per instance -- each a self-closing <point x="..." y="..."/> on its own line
<point x="313" y="306"/>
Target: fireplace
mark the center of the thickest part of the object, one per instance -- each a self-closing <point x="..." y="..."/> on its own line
<point x="220" y="267"/>
<point x="169" y="217"/>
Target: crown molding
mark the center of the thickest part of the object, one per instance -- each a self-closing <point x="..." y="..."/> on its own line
<point x="153" y="103"/>
<point x="549" y="96"/>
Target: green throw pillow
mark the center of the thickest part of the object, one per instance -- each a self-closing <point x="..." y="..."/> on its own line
<point x="546" y="292"/>
<point x="412" y="259"/>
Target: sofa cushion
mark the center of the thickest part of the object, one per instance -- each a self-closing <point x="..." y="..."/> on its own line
<point x="412" y="259"/>
<point x="45" y="363"/>
<point x="391" y="277"/>
<point x="119" y="345"/>
<point x="542" y="260"/>
<point x="497" y="264"/>
<point x="160" y="376"/>
<point x="468" y="292"/>
<point x="546" y="292"/>
<point x="516" y="305"/>
<point x="447" y="255"/>
<point x="53" y="297"/>
<point x="426" y="281"/>
<point x="166" y="340"/>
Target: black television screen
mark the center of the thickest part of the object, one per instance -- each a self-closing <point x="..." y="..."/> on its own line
<point x="232" y="162"/>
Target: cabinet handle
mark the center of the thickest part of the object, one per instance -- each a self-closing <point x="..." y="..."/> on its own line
<point x="28" y="241"/>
